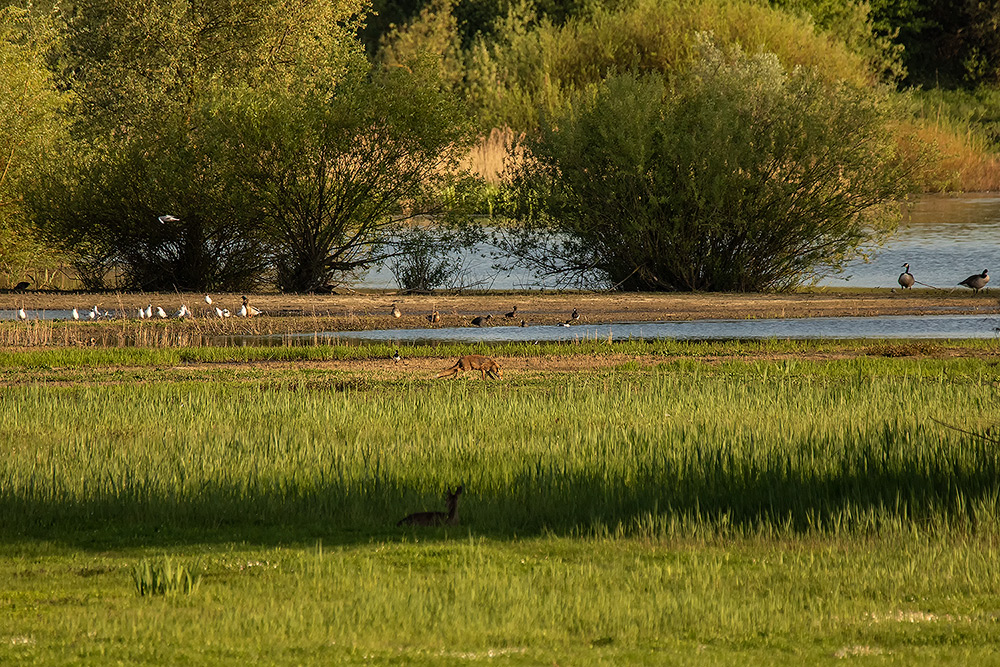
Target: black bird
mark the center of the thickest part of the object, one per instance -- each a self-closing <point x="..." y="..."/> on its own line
<point x="21" y="286"/>
<point x="480" y="320"/>
<point x="977" y="281"/>
<point x="906" y="278"/>
<point x="511" y="314"/>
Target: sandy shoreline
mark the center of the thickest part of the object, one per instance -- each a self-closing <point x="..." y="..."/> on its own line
<point x="371" y="310"/>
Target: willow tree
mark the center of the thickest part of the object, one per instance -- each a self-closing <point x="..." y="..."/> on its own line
<point x="740" y="175"/>
<point x="145" y="182"/>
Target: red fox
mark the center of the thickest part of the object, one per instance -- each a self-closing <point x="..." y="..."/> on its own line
<point x="474" y="362"/>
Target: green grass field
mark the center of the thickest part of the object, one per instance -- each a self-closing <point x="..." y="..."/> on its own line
<point x="695" y="510"/>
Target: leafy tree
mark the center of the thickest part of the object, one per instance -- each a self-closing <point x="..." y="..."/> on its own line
<point x="742" y="177"/>
<point x="333" y="172"/>
<point x="147" y="140"/>
<point x="30" y="108"/>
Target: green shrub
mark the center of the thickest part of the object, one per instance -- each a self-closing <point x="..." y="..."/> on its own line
<point x="741" y="176"/>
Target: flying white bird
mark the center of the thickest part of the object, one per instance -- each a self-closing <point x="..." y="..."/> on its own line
<point x="76" y="314"/>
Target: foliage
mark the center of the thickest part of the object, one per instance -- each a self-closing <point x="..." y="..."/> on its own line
<point x="30" y="107"/>
<point x="331" y="176"/>
<point x="148" y="140"/>
<point x="945" y="43"/>
<point x="163" y="577"/>
<point x="427" y="259"/>
<point x="533" y="66"/>
<point x="744" y="177"/>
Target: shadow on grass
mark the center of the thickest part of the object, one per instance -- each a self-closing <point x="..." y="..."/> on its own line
<point x="713" y="491"/>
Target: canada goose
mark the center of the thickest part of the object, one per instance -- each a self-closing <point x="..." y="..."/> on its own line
<point x="434" y="317"/>
<point x="21" y="286"/>
<point x="435" y="518"/>
<point x="396" y="312"/>
<point x="906" y="278"/>
<point x="480" y="320"/>
<point x="977" y="281"/>
<point x="575" y="315"/>
<point x="511" y="314"/>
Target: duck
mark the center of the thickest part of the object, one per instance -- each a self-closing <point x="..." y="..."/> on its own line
<point x="906" y="278"/>
<point x="511" y="314"/>
<point x="396" y="356"/>
<point x="977" y="282"/>
<point x="434" y="317"/>
<point x="396" y="312"/>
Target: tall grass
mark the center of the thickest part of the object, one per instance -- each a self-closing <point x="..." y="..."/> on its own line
<point x="845" y="447"/>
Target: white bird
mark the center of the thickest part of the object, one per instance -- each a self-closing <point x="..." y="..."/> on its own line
<point x="162" y="314"/>
<point x="243" y="310"/>
<point x="164" y="219"/>
<point x="225" y="312"/>
<point x="94" y="313"/>
<point x="140" y="313"/>
<point x="21" y="315"/>
<point x="182" y="312"/>
<point x="148" y="314"/>
<point x="76" y="314"/>
<point x="208" y="299"/>
<point x="218" y="311"/>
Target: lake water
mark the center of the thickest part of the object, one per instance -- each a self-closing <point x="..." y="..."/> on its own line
<point x="945" y="239"/>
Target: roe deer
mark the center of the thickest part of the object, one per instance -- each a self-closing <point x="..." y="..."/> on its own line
<point x="474" y="362"/>
<point x="435" y="518"/>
